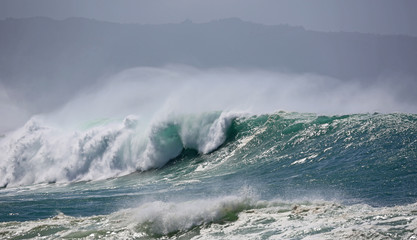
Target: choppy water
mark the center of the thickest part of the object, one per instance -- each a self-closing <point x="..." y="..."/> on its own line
<point x="216" y="175"/>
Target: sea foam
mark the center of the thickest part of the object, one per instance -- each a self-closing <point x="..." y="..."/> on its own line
<point x="39" y="153"/>
<point x="231" y="217"/>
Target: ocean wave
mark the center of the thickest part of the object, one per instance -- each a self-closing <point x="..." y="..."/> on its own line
<point x="39" y="153"/>
<point x="350" y="153"/>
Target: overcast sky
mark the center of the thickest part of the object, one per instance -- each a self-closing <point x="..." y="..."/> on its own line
<point x="369" y="16"/>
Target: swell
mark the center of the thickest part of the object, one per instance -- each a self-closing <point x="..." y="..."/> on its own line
<point x="365" y="157"/>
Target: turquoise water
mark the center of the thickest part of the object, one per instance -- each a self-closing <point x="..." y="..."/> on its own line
<point x="212" y="176"/>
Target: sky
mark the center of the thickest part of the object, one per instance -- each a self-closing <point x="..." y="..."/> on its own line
<point x="370" y="16"/>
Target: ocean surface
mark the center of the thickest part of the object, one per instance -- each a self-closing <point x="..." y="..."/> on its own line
<point x="212" y="175"/>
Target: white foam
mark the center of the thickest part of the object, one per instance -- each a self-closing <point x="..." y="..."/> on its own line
<point x="318" y="220"/>
<point x="40" y="153"/>
<point x="230" y="217"/>
<point x="168" y="217"/>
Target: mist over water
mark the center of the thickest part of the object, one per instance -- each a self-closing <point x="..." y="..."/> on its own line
<point x="12" y="114"/>
<point x="159" y="92"/>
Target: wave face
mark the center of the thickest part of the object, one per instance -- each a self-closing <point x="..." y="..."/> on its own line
<point x="213" y="175"/>
<point x="370" y="154"/>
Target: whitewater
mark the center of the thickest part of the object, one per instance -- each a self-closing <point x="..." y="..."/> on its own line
<point x="181" y="153"/>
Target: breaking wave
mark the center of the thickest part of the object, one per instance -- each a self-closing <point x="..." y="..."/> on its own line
<point x="354" y="151"/>
<point x="39" y="153"/>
